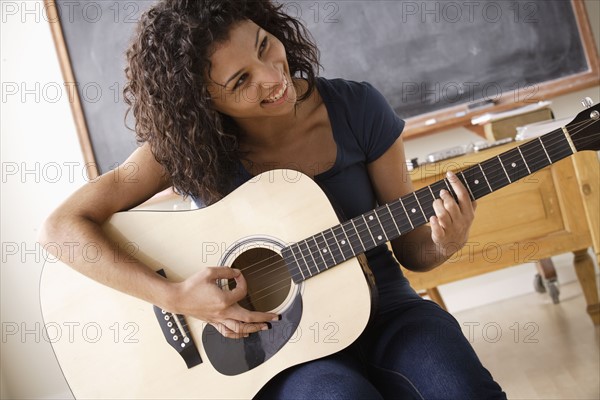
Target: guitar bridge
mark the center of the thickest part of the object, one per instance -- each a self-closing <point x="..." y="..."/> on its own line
<point x="177" y="334"/>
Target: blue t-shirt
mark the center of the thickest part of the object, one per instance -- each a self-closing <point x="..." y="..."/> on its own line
<point x="364" y="127"/>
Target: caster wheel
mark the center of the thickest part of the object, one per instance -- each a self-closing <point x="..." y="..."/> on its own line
<point x="553" y="291"/>
<point x="538" y="284"/>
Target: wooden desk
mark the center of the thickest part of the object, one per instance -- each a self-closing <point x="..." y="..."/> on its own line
<point x="553" y="211"/>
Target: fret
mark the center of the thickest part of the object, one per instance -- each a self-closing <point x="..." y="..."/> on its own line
<point x="381" y="225"/>
<point x="292" y="263"/>
<point x="535" y="154"/>
<point x="495" y="174"/>
<point x="437" y="187"/>
<point x="569" y="139"/>
<point x="325" y="250"/>
<point x="389" y="223"/>
<point x="367" y="228"/>
<point x="301" y="261"/>
<point x="525" y="162"/>
<point x="415" y="214"/>
<point x="431" y="191"/>
<point x="363" y="232"/>
<point x="311" y="263"/>
<point x="448" y="185"/>
<point x="353" y="237"/>
<point x="334" y="245"/>
<point x="475" y="179"/>
<point x="420" y="207"/>
<point x="485" y="177"/>
<point x="444" y="184"/>
<point x="544" y="148"/>
<point x="557" y="145"/>
<point x="406" y="213"/>
<point x="513" y="165"/>
<point x="343" y="242"/>
<point x="318" y="249"/>
<point x="375" y="227"/>
<point x="465" y="183"/>
<point x="426" y="198"/>
<point x="400" y="217"/>
<point x="504" y="169"/>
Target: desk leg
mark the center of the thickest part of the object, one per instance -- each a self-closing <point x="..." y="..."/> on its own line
<point x="587" y="170"/>
<point x="584" y="267"/>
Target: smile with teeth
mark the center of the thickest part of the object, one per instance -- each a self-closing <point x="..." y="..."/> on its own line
<point x="280" y="93"/>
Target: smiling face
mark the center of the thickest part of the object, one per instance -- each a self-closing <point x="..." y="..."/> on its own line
<point x="249" y="75"/>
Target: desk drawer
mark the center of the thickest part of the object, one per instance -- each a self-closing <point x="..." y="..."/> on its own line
<point x="537" y="217"/>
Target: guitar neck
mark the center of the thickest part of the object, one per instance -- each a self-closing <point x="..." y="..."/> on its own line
<point x="333" y="246"/>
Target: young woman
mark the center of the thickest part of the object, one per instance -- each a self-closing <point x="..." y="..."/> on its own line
<point x="223" y="90"/>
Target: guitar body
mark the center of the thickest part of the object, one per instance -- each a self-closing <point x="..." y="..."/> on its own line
<point x="111" y="345"/>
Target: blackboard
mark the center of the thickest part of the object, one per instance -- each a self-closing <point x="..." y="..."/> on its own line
<point x="424" y="56"/>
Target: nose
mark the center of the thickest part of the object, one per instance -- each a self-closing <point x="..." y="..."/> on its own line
<point x="269" y="77"/>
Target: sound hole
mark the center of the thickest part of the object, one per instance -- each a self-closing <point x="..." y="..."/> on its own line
<point x="267" y="277"/>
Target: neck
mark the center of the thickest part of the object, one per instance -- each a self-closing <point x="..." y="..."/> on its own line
<point x="328" y="248"/>
<point x="273" y="132"/>
<point x="267" y="133"/>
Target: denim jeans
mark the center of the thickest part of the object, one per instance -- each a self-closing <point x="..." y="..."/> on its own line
<point x="415" y="351"/>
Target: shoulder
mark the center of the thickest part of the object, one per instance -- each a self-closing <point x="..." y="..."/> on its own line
<point x="370" y="117"/>
<point x="359" y="100"/>
<point x="338" y="88"/>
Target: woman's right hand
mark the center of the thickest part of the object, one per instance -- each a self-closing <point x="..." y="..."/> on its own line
<point x="199" y="296"/>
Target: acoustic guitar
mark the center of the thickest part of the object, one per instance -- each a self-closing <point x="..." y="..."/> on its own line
<point x="281" y="231"/>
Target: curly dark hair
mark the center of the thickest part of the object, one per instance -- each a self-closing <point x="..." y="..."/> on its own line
<point x="167" y="92"/>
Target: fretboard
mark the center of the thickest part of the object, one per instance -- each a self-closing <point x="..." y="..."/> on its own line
<point x="333" y="246"/>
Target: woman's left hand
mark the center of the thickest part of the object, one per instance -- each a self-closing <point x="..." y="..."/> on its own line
<point x="450" y="226"/>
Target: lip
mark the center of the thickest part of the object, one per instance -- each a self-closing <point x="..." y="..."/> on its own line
<point x="282" y="99"/>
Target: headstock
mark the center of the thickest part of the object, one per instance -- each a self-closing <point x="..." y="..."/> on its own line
<point x="585" y="127"/>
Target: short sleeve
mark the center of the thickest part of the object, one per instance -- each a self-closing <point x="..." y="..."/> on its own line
<point x="381" y="126"/>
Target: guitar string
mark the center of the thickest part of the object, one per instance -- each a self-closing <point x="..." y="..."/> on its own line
<point x="311" y="248"/>
<point x="278" y="258"/>
<point x="286" y="279"/>
<point x="277" y="285"/>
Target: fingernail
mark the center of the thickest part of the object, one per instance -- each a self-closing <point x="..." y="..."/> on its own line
<point x="277" y="318"/>
<point x="266" y="327"/>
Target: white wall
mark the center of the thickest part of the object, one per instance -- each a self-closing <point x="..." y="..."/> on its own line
<point x="36" y="134"/>
<point x="42" y="163"/>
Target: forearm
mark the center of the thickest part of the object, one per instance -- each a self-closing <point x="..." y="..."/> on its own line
<point x="81" y="244"/>
<point x="416" y="250"/>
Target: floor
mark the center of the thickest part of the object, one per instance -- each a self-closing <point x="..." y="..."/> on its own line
<point x="536" y="349"/>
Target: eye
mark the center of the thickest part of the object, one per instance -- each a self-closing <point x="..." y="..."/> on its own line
<point x="262" y="46"/>
<point x="240" y="81"/>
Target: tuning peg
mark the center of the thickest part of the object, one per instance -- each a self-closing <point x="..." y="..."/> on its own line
<point x="587" y="102"/>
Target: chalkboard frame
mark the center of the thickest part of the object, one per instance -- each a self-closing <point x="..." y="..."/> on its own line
<point x="416" y="126"/>
<point x="448" y="118"/>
